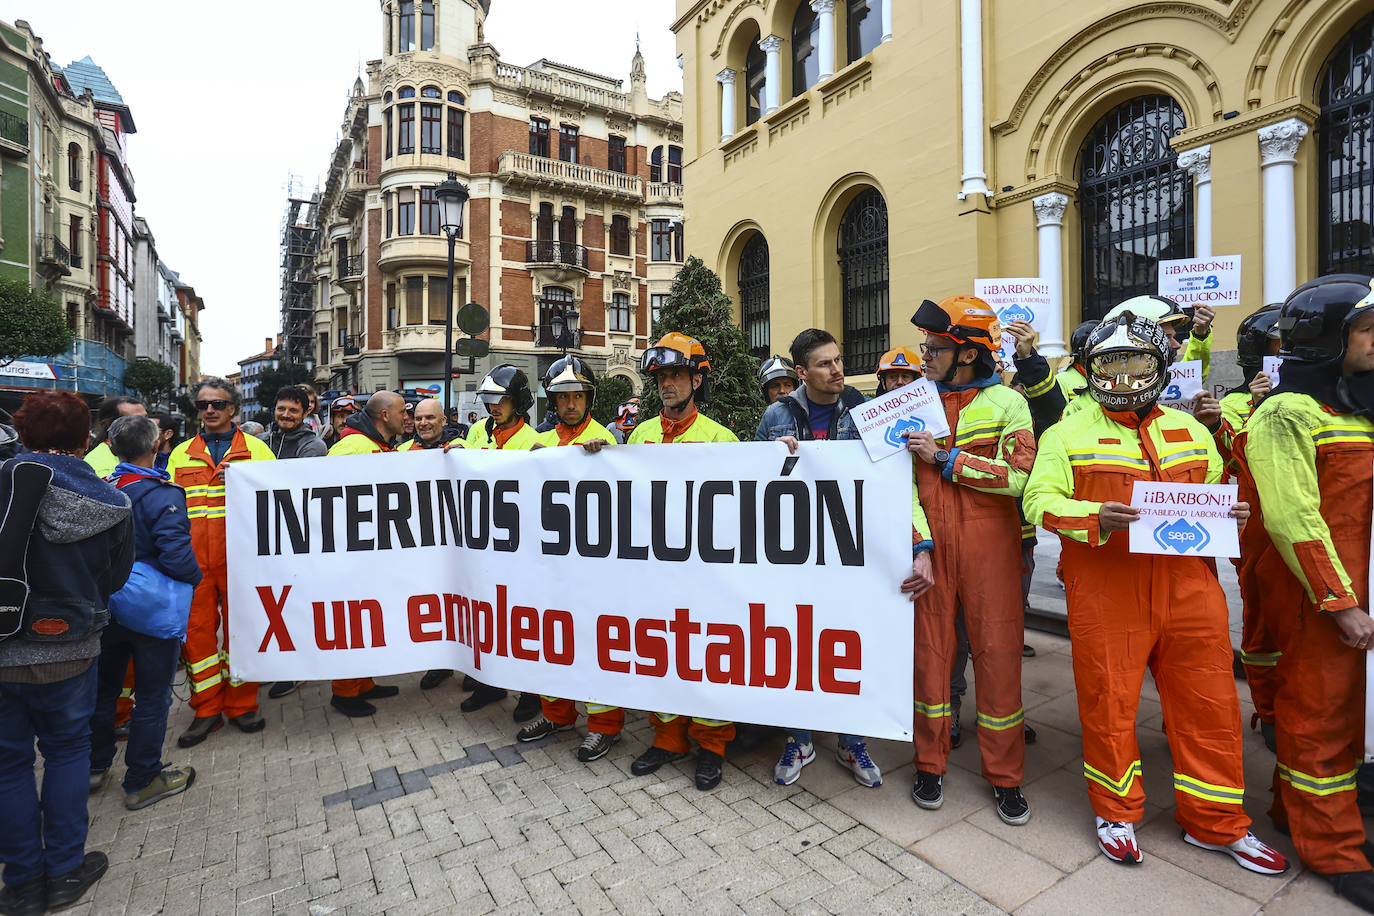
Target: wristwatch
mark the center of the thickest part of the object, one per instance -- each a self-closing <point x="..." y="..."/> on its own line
<point x="941" y="458"/>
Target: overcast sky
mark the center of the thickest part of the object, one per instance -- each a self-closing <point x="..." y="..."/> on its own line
<point x="231" y="99"/>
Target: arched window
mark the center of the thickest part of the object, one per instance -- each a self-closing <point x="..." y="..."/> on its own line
<point x="864" y="24"/>
<point x="405" y="92"/>
<point x="1135" y="203"/>
<point x="74" y="166"/>
<point x="386" y="99"/>
<point x="1345" y="203"/>
<point x="430" y="92"/>
<point x="753" y="294"/>
<point x="656" y="164"/>
<point x="544" y="224"/>
<point x="754" y="79"/>
<point x="806" y="51"/>
<point x="457" y="98"/>
<point x="863" y="268"/>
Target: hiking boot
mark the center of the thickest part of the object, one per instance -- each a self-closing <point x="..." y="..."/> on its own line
<point x="928" y="790"/>
<point x="379" y="692"/>
<point x="353" y="707"/>
<point x="200" y="729"/>
<point x="249" y="722"/>
<point x="27" y="899"/>
<point x="795" y="755"/>
<point x="1248" y="851"/>
<point x="281" y="689"/>
<point x="65" y="890"/>
<point x="98" y="779"/>
<point x="434" y="677"/>
<point x="655" y="757"/>
<point x="164" y="785"/>
<point x="527" y="707"/>
<point x="482" y="696"/>
<point x="1117" y="842"/>
<point x="709" y="769"/>
<point x="1357" y="887"/>
<point x="540" y="728"/>
<point x="595" y="746"/>
<point x="856" y="758"/>
<point x="1011" y="805"/>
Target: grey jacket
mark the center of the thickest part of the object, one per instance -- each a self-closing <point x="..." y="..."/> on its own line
<point x="299" y="443"/>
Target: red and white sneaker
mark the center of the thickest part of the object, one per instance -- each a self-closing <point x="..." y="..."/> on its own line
<point x="1117" y="842"/>
<point x="1248" y="852"/>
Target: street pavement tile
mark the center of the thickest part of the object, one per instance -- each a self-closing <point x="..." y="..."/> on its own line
<point x="1163" y="837"/>
<point x="1309" y="894"/>
<point x="1153" y="888"/>
<point x="987" y="864"/>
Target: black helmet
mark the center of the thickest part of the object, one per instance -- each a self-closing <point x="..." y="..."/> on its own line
<point x="570" y="373"/>
<point x="1254" y="336"/>
<point x="1078" y="340"/>
<point x="1313" y="320"/>
<point x="1128" y="362"/>
<point x="506" y="381"/>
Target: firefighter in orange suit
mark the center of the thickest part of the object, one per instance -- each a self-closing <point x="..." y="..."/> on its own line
<point x="679" y="367"/>
<point x="1310" y="448"/>
<point x="571" y="387"/>
<point x="968" y="483"/>
<point x="369" y="431"/>
<point x="198" y="465"/>
<point x="1129" y="612"/>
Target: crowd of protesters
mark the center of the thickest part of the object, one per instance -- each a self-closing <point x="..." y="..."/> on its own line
<point x="113" y="568"/>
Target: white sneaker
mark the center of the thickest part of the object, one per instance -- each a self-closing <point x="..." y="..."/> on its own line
<point x="1248" y="851"/>
<point x="1117" y="842"/>
<point x="856" y="759"/>
<point x="794" y="756"/>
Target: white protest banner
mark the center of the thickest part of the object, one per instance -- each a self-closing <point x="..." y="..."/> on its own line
<point x="1211" y="281"/>
<point x="1184" y="519"/>
<point x="1016" y="299"/>
<point x="726" y="581"/>
<point x="913" y="407"/>
<point x="1185" y="383"/>
<point x="1271" y="369"/>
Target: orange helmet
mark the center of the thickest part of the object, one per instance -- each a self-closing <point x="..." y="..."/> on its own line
<point x="899" y="358"/>
<point x="678" y="349"/>
<point x="967" y="320"/>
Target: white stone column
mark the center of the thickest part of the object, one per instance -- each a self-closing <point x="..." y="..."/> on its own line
<point x="1198" y="162"/>
<point x="825" y="11"/>
<point x="772" y="73"/>
<point x="887" y="19"/>
<point x="1049" y="231"/>
<point x="1278" y="143"/>
<point x="974" y="178"/>
<point x="726" y="78"/>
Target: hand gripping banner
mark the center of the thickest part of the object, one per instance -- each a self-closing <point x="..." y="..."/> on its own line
<point x="724" y="581"/>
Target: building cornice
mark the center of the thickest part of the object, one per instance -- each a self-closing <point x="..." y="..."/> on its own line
<point x="1246" y="123"/>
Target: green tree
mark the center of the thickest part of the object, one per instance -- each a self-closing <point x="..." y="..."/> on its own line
<point x="698" y="307"/>
<point x="273" y="380"/>
<point x="151" y="380"/>
<point x="31" y="323"/>
<point x="611" y="392"/>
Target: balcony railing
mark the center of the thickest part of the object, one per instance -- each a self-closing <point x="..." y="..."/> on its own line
<point x="352" y="344"/>
<point x="14" y="129"/>
<point x="665" y="191"/>
<point x="351" y="266"/>
<point x="550" y="84"/>
<point x="564" y="253"/>
<point x="51" y="251"/>
<point x="76" y="260"/>
<point x="555" y="174"/>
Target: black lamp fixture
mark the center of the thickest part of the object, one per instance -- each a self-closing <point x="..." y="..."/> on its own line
<point x="452" y="195"/>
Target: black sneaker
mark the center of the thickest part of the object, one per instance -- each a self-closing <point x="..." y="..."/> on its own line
<point x="482" y="696"/>
<point x="928" y="791"/>
<point x="249" y="722"/>
<point x="1030" y="735"/>
<point x="709" y="769"/>
<point x="353" y="707"/>
<point x="540" y="728"/>
<point x="527" y="707"/>
<point x="1357" y="887"/>
<point x="27" y="899"/>
<point x="65" y="890"/>
<point x="1011" y="805"/>
<point x="655" y="757"/>
<point x="434" y="677"/>
<point x="281" y="689"/>
<point x="595" y="746"/>
<point x="200" y="729"/>
<point x="379" y="692"/>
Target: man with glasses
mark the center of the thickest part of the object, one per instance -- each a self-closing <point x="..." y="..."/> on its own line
<point x="198" y="465"/>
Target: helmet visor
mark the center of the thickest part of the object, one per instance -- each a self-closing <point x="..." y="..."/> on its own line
<point x="663" y="358"/>
<point x="1124" y="370"/>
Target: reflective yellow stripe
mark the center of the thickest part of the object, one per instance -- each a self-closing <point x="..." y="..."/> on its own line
<point x="1324" y="435"/>
<point x="933" y="711"/>
<point x="1034" y="391"/>
<point x="215" y="512"/>
<point x="712" y="723"/>
<point x="198" y="667"/>
<point x="126" y="693"/>
<point x="1003" y="723"/>
<point x="594" y="708"/>
<point x="1229" y="795"/>
<point x="198" y="686"/>
<point x="1117" y="460"/>
<point x="1260" y="659"/>
<point x="1121" y="788"/>
<point x="1318" y="785"/>
<point x="195" y="491"/>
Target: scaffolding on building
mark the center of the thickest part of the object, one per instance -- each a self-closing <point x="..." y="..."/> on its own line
<point x="299" y="246"/>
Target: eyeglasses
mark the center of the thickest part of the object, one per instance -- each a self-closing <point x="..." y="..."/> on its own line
<point x="928" y="351"/>
<point x="216" y="404"/>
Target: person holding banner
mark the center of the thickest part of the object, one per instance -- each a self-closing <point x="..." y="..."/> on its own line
<point x="679" y="366"/>
<point x="370" y="431"/>
<point x="1310" y="447"/>
<point x="571" y="386"/>
<point x="1131" y="612"/>
<point x="198" y="466"/>
<point x="968" y="483"/>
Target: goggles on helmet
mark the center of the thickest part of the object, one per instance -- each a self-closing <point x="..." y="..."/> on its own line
<point x="664" y="358"/>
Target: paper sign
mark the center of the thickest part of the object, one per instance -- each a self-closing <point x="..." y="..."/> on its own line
<point x="1271" y="369"/>
<point x="1184" y="519"/>
<point x="914" y="407"/>
<point x="1185" y="383"/>
<point x="1211" y="281"/>
<point x="1016" y="299"/>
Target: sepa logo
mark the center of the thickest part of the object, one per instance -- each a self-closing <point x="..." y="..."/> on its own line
<point x="900" y="360"/>
<point x="1017" y="312"/>
<point x="894" y="437"/>
<point x="1178" y="535"/>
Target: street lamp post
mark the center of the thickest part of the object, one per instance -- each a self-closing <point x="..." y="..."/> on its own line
<point x="452" y="195"/>
<point x="563" y="324"/>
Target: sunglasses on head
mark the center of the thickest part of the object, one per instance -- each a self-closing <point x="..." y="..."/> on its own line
<point x="216" y="404"/>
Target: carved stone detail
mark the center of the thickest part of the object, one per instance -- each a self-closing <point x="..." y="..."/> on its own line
<point x="1279" y="142"/>
<point x="1049" y="209"/>
<point x="1198" y="161"/>
<point x="621" y="280"/>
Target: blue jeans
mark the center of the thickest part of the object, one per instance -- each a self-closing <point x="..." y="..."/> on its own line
<point x="46" y="836"/>
<point x="155" y="661"/>
<point x="803" y="736"/>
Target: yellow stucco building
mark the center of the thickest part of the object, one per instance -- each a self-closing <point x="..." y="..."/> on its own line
<point x="848" y="158"/>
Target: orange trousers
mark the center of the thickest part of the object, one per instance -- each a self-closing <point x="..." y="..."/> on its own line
<point x="1320" y="710"/>
<point x="352" y="687"/>
<point x="604" y="720"/>
<point x="671" y="733"/>
<point x="206" y="651"/>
